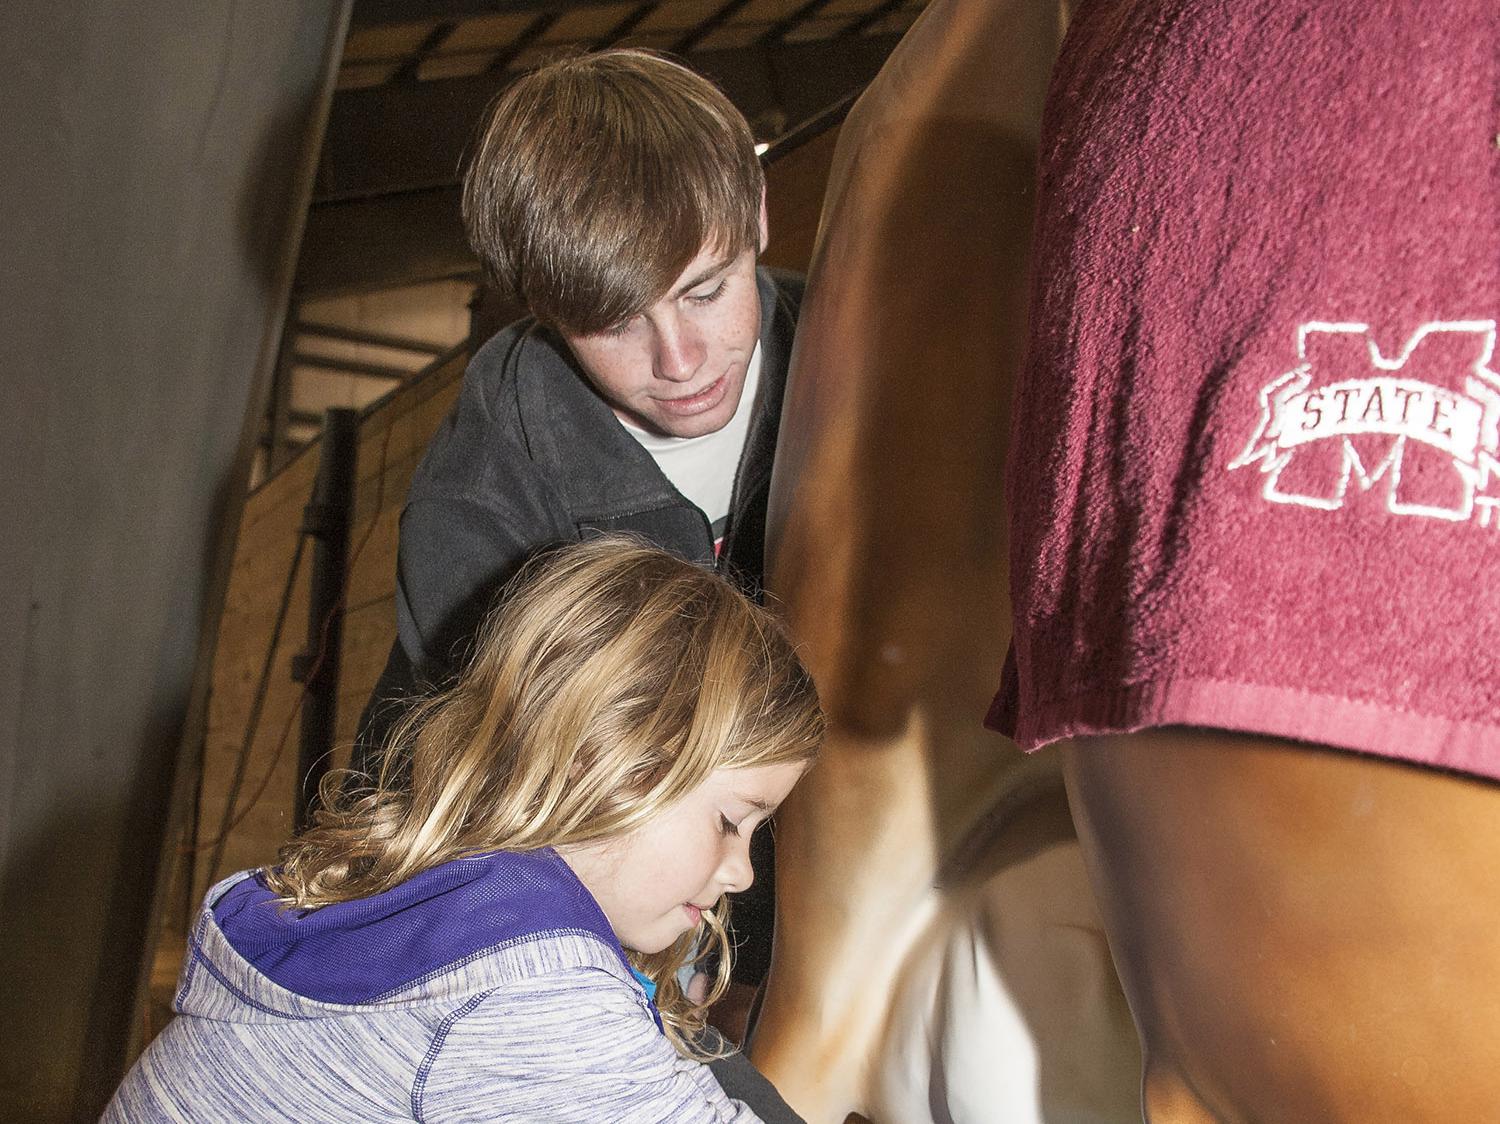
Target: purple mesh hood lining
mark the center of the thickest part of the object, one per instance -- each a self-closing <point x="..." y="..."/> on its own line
<point x="361" y="951"/>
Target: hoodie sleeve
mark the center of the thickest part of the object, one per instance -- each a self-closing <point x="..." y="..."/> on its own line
<point x="577" y="1045"/>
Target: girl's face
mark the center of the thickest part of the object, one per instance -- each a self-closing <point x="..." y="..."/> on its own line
<point x="654" y="883"/>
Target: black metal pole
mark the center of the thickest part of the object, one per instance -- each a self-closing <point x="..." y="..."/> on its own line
<point x="326" y="518"/>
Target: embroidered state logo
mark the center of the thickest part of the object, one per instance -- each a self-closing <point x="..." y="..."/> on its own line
<point x="1424" y="424"/>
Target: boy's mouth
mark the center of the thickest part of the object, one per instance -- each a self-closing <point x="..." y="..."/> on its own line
<point x="696" y="403"/>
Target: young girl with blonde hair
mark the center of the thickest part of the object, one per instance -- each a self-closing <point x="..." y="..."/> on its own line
<point x="502" y="939"/>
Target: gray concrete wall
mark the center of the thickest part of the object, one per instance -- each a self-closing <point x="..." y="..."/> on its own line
<point x="152" y="189"/>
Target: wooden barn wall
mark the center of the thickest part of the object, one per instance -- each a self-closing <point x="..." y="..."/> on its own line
<point x="391" y="440"/>
<point x="267" y="542"/>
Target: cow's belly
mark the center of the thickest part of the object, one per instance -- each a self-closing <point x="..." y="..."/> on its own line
<point x="933" y="961"/>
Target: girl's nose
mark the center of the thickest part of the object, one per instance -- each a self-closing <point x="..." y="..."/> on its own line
<point x="736" y="874"/>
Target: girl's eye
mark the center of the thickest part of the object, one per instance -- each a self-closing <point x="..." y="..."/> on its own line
<point x="709" y="297"/>
<point x="727" y="828"/>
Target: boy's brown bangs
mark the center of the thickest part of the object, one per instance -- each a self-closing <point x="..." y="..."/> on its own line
<point x="600" y="178"/>
<point x="625" y="253"/>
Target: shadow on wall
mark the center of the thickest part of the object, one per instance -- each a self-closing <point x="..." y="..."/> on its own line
<point x="153" y="222"/>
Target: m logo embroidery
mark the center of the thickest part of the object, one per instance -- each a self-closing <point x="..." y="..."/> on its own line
<point x="1425" y="423"/>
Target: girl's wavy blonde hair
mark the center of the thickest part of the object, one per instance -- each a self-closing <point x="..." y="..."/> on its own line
<point x="610" y="682"/>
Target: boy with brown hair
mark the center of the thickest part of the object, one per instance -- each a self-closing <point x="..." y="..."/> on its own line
<point x="619" y="197"/>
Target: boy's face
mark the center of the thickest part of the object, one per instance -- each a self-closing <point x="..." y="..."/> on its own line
<point x="678" y="368"/>
<point x="654" y="883"/>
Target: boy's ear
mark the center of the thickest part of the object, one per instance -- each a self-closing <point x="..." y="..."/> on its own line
<point x="765" y="226"/>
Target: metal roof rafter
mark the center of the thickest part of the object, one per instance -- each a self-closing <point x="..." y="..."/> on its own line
<point x="372" y="339"/>
<point x="627" y="25"/>
<point x="870" y="18"/>
<point x="434" y="39"/>
<point x="697" y="34"/>
<point x="778" y="30"/>
<point x="355" y="367"/>
<point x="534" y="31"/>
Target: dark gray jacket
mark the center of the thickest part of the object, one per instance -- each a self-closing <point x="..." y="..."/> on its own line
<point x="530" y="456"/>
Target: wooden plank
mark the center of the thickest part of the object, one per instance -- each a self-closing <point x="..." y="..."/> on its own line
<point x="368" y="633"/>
<point x="373" y="575"/>
<point x="269" y="531"/>
<point x="410" y="419"/>
<point x="257" y="581"/>
<point x="388" y="490"/>
<point x="395" y="441"/>
<point x="294" y="480"/>
<point x="436" y="380"/>
<point x="260" y="567"/>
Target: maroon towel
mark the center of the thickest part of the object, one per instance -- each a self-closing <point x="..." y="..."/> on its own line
<point x="1254" y="482"/>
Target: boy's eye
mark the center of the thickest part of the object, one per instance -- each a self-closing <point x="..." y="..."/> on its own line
<point x="727" y="828"/>
<point x="617" y="330"/>
<point x="710" y="296"/>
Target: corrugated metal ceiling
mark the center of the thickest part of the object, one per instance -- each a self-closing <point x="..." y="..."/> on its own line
<point x="447" y="44"/>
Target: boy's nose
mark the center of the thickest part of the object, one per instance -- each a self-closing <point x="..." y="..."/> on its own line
<point x="680" y="350"/>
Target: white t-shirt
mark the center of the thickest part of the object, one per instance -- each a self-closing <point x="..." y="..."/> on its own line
<point x="703" y="468"/>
